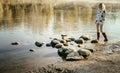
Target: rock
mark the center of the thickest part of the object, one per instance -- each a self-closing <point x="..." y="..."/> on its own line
<point x="54" y="42"/>
<point x="74" y="56"/>
<point x="50" y="38"/>
<point x="48" y="44"/>
<point x="83" y="52"/>
<point x="63" y="52"/>
<point x="58" y="45"/>
<point x="72" y="39"/>
<point x="64" y="37"/>
<point x="15" y="43"/>
<point x="86" y="37"/>
<point x="32" y="50"/>
<point x="80" y="45"/>
<point x="39" y="44"/>
<point x="90" y="49"/>
<point x="58" y="69"/>
<point x="62" y="41"/>
<point x="56" y="39"/>
<point x="115" y="46"/>
<point x="79" y="41"/>
<point x="94" y="41"/>
<point x="71" y="44"/>
<point x="68" y="40"/>
<point x="65" y="44"/>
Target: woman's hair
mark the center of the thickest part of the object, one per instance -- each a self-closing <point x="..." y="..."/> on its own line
<point x="102" y="6"/>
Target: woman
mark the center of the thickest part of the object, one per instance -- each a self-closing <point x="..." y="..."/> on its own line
<point x="100" y="18"/>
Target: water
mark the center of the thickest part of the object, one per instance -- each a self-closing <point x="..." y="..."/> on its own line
<point x="35" y="24"/>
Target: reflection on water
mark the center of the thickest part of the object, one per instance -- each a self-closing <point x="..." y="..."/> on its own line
<point x="30" y="23"/>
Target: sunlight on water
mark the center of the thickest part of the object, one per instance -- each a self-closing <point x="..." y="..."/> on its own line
<point x="27" y="23"/>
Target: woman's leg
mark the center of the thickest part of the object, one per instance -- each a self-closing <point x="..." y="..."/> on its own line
<point x="103" y="33"/>
<point x="101" y="28"/>
<point x="98" y="31"/>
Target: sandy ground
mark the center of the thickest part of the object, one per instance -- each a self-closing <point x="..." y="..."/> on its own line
<point x="105" y="59"/>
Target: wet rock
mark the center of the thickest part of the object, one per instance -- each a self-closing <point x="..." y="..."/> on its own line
<point x="64" y="36"/>
<point x="59" y="45"/>
<point x="56" y="39"/>
<point x="72" y="39"/>
<point x="79" y="41"/>
<point x="115" y="46"/>
<point x="68" y="40"/>
<point x="83" y="52"/>
<point x="48" y="44"/>
<point x="94" y="41"/>
<point x="39" y="44"/>
<point x="15" y="43"/>
<point x="32" y="50"/>
<point x="58" y="69"/>
<point x="54" y="42"/>
<point x="62" y="41"/>
<point x="50" y="38"/>
<point x="86" y="37"/>
<point x="71" y="44"/>
<point x="90" y="49"/>
<point x="65" y="44"/>
<point x="63" y="52"/>
<point x="80" y="45"/>
<point x="74" y="56"/>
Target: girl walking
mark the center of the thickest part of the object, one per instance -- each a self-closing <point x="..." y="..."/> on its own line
<point x="100" y="18"/>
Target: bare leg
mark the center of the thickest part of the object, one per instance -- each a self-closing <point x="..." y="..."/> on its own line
<point x="101" y="28"/>
<point x="98" y="25"/>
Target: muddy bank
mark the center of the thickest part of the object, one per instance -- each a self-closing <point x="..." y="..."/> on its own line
<point x="101" y="61"/>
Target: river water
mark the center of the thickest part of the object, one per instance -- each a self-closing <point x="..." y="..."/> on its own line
<point x="28" y="26"/>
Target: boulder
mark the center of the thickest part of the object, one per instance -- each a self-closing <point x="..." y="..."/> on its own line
<point x="86" y="37"/>
<point x="59" y="45"/>
<point x="39" y="44"/>
<point x="94" y="41"/>
<point x="63" y="52"/>
<point x="15" y="43"/>
<point x="79" y="41"/>
<point x="54" y="42"/>
<point x="83" y="52"/>
<point x="74" y="56"/>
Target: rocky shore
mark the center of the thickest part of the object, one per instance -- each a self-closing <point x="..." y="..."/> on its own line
<point x="104" y="59"/>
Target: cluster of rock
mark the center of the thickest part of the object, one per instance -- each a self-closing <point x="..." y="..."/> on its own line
<point x="66" y="48"/>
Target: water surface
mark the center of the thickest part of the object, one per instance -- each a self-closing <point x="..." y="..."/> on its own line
<point x="29" y="25"/>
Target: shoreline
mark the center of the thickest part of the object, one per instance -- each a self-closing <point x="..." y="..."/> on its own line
<point x="100" y="61"/>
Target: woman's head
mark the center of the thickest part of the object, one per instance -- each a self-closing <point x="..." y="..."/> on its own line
<point x="102" y="6"/>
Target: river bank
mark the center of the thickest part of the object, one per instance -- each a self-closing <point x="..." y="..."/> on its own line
<point x="104" y="60"/>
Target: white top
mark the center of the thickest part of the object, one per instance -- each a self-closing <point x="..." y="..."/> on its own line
<point x="100" y="18"/>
